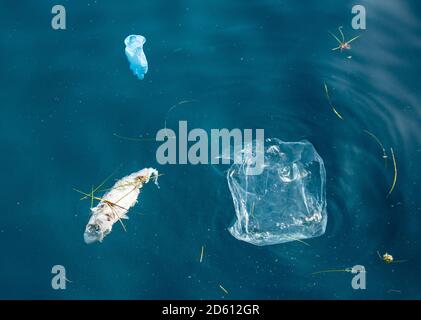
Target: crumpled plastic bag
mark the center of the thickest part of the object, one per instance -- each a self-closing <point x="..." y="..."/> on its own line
<point x="286" y="202"/>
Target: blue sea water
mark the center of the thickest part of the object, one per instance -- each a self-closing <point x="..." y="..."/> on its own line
<point x="245" y="64"/>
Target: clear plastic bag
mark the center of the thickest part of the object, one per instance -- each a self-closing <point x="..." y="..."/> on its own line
<point x="286" y="202"/>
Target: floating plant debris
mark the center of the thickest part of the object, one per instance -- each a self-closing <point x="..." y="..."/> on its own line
<point x="223" y="289"/>
<point x="340" y="270"/>
<point x="201" y="254"/>
<point x="343" y="45"/>
<point x="133" y="138"/>
<point x="171" y="109"/>
<point x="394" y="291"/>
<point x="372" y="135"/>
<point x="337" y="113"/>
<point x="385" y="157"/>
<point x="91" y="195"/>
<point x="298" y="240"/>
<point x="115" y="204"/>
<point x="388" y="258"/>
<point x="141" y="139"/>
<point x="395" y="173"/>
<point x="134" y="53"/>
<point x="330" y="102"/>
<point x="333" y="270"/>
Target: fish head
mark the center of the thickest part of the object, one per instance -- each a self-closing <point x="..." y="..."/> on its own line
<point x="96" y="230"/>
<point x="93" y="233"/>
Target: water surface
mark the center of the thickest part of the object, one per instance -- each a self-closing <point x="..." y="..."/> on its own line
<point x="254" y="64"/>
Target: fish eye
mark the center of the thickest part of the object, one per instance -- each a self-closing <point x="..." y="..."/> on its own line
<point x="93" y="228"/>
